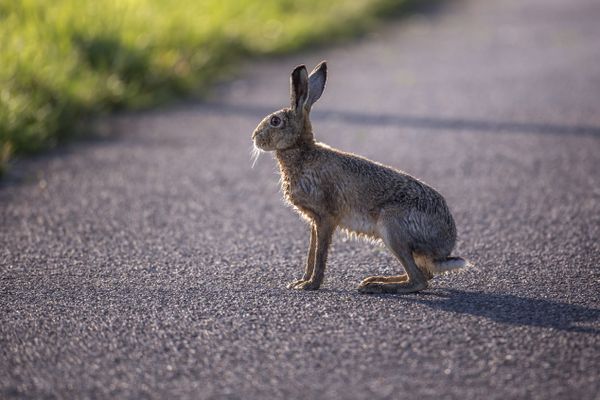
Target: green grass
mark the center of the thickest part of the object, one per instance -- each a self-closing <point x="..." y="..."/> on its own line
<point x="62" y="61"/>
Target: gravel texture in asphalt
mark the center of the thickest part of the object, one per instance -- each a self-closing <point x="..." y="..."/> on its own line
<point x="154" y="263"/>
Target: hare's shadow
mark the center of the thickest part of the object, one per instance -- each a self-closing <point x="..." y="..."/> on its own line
<point x="503" y="308"/>
<point x="512" y="310"/>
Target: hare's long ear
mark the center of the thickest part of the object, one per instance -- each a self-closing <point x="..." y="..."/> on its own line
<point x="299" y="88"/>
<point x="316" y="83"/>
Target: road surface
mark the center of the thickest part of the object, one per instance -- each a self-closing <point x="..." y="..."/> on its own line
<point x="154" y="263"/>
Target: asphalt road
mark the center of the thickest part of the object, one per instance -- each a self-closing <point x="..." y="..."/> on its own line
<point x="153" y="263"/>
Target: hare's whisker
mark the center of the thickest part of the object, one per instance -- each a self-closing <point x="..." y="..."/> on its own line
<point x="255" y="153"/>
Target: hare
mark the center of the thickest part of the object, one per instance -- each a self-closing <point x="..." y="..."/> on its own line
<point x="334" y="189"/>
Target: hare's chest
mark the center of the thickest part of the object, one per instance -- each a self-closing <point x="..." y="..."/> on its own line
<point x="305" y="190"/>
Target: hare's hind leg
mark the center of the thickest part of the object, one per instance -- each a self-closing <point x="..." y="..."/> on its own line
<point x="384" y="279"/>
<point x="413" y="281"/>
<point x="395" y="238"/>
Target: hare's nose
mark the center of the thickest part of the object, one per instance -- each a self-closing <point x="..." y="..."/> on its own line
<point x="254" y="134"/>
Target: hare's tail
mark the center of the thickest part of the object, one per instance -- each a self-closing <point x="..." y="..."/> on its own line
<point x="449" y="264"/>
<point x="437" y="267"/>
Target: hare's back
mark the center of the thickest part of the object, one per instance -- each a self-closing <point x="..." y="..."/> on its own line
<point x="371" y="183"/>
<point x="365" y="186"/>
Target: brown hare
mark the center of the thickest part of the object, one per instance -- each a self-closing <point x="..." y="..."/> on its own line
<point x="332" y="189"/>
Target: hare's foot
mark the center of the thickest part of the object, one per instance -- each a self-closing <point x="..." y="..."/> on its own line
<point x="397" y="288"/>
<point x="296" y="282"/>
<point x="304" y="285"/>
<point x="384" y="279"/>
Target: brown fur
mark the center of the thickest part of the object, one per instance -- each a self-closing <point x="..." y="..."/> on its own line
<point x="333" y="189"/>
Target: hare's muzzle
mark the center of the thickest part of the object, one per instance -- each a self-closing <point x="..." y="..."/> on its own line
<point x="257" y="138"/>
<point x="256" y="132"/>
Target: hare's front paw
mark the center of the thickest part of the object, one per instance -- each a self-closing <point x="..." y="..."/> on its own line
<point x="292" y="284"/>
<point x="304" y="285"/>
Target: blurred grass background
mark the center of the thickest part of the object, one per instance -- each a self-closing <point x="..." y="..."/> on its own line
<point x="62" y="61"/>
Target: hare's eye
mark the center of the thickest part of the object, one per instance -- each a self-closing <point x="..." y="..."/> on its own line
<point x="275" y="121"/>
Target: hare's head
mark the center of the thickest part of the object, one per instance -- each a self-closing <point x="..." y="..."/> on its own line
<point x="290" y="127"/>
